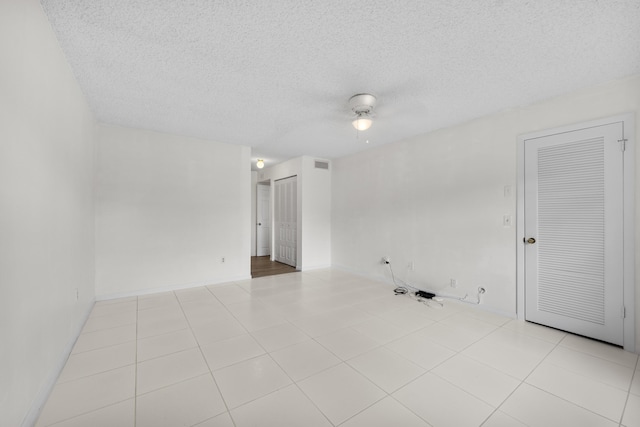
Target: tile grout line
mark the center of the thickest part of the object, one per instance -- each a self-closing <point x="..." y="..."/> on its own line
<point x="572" y="403"/>
<point x="342" y="362"/>
<point x="552" y="394"/>
<point x="312" y="402"/>
<point x="595" y="356"/>
<point x="568" y="369"/>
<point x="267" y="353"/>
<point x="99" y="372"/>
<point x="135" y="373"/>
<point x="86" y="413"/>
<point x="117" y="306"/>
<point x="106" y="346"/>
<point x="171" y="353"/>
<point x="386" y="394"/>
<point x="109" y="329"/>
<point x="626" y="402"/>
<point x="406" y="407"/>
<point x="523" y="382"/>
<point x="294" y="382"/>
<point x="427" y="371"/>
<point x="92" y="375"/>
<point x="559" y="344"/>
<point x="224" y="401"/>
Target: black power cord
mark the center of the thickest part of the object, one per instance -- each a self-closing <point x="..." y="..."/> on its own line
<point x="420" y="295"/>
<point x="428" y="296"/>
<point x="400" y="290"/>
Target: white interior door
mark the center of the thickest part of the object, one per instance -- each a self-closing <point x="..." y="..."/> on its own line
<point x="573" y="223"/>
<point x="285" y="220"/>
<point x="263" y="217"/>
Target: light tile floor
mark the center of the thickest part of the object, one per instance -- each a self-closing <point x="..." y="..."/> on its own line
<point x="326" y="348"/>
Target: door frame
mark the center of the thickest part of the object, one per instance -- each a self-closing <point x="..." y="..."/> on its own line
<point x="628" y="123"/>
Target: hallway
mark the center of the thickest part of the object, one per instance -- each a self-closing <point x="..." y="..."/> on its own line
<point x="263" y="266"/>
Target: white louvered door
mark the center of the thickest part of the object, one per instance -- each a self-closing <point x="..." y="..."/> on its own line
<point x="574" y="212"/>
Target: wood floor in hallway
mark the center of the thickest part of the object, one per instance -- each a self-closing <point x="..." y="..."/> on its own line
<point x="263" y="266"/>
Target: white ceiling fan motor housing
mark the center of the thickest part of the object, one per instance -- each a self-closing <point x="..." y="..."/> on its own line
<point x="362" y="103"/>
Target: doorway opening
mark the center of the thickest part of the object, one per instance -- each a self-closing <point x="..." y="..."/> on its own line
<point x="276" y="231"/>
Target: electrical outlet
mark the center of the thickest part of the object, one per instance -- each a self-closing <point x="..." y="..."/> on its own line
<point x="222" y="259"/>
<point x="453" y="283"/>
<point x="410" y="266"/>
<point x="507" y="191"/>
<point x="386" y="260"/>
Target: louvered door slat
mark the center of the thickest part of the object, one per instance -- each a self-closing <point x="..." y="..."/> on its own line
<point x="580" y="197"/>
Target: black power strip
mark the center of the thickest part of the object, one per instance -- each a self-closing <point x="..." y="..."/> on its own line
<point x="423" y="294"/>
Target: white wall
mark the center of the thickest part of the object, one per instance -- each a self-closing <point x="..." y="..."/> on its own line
<point x="46" y="210"/>
<point x="316" y="215"/>
<point x="168" y="209"/>
<point x="438" y="199"/>
<point x="314" y="209"/>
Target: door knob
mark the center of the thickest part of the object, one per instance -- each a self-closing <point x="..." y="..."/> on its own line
<point x="530" y="240"/>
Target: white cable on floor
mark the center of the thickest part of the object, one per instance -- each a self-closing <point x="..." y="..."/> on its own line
<point x="403" y="289"/>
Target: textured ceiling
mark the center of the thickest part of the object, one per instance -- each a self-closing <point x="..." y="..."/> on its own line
<point x="277" y="75"/>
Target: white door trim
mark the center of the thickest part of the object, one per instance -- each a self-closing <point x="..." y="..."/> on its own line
<point x="263" y="226"/>
<point x="629" y="218"/>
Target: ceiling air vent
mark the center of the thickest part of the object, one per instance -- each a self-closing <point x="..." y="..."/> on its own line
<point x="322" y="165"/>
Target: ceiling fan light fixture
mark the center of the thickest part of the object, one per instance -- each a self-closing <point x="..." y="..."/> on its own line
<point x="362" y="105"/>
<point x="260" y="164"/>
<point x="362" y="122"/>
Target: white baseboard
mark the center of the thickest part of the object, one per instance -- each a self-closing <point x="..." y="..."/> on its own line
<point x="314" y="267"/>
<point x="46" y="389"/>
<point x="170" y="288"/>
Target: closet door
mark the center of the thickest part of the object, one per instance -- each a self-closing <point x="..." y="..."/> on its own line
<point x="574" y="231"/>
<point x="285" y="220"/>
